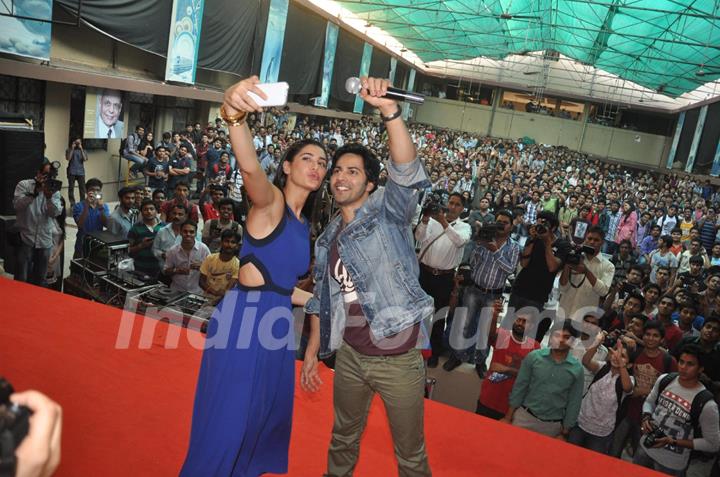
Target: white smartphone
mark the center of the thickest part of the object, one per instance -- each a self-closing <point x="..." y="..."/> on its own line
<point x="276" y="93"/>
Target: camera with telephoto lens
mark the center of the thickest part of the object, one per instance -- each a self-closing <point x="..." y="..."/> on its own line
<point x="50" y="177"/>
<point x="433" y="204"/>
<point x="652" y="437"/>
<point x="488" y="232"/>
<point x="14" y="426"/>
<point x="540" y="229"/>
<point x="577" y="253"/>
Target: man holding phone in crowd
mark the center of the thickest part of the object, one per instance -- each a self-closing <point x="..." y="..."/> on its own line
<point x="90" y="214"/>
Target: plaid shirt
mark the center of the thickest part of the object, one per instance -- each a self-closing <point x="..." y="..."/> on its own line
<point x="531" y="210"/>
<point x="491" y="269"/>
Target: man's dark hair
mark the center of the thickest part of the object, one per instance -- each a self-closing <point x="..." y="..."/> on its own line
<point x="550" y="218"/>
<point x="597" y="230"/>
<point x="226" y="201"/>
<point x="370" y="161"/>
<point x="146" y="202"/>
<point x="566" y="325"/>
<point x="156" y="192"/>
<point x="93" y="182"/>
<point x="182" y="183"/>
<point x="638" y="316"/>
<point x="663" y="267"/>
<point x="712" y="319"/>
<point x="459" y="196"/>
<point x="139" y="126"/>
<point x="654" y="325"/>
<point x="189" y="222"/>
<point x="228" y="233"/>
<point x="125" y="191"/>
<point x="696" y="259"/>
<point x="183" y="207"/>
<point x="694" y="350"/>
<point x="656" y="226"/>
<point x="690" y="303"/>
<point x="637" y="268"/>
<point x="638" y="296"/>
<point x="652" y="285"/>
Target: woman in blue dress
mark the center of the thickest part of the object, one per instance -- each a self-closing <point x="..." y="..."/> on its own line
<point x="244" y="399"/>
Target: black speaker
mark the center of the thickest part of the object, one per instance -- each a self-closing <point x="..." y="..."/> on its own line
<point x="21" y="154"/>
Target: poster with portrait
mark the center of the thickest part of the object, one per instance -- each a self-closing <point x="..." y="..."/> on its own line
<point x="184" y="41"/>
<point x="20" y="33"/>
<point x="104" y="112"/>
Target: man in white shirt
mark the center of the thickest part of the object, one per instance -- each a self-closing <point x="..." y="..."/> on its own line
<point x="582" y="285"/>
<point x="442" y="237"/>
<point x="183" y="261"/>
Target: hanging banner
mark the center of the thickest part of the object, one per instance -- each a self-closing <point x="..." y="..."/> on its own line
<point x="184" y="41"/>
<point x="23" y="36"/>
<point x="715" y="171"/>
<point x="364" y="70"/>
<point x="331" y="37"/>
<point x="696" y="139"/>
<point x="274" y="38"/>
<point x="676" y="140"/>
<point x="410" y="87"/>
<point x="393" y="69"/>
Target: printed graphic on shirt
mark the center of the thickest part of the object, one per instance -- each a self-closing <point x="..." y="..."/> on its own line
<point x="347" y="287"/>
<point x="645" y="375"/>
<point x="674" y="414"/>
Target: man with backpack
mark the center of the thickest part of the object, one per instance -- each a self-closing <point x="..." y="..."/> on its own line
<point x="213" y="229"/>
<point x="650" y="363"/>
<point x="680" y="420"/>
<point x="129" y="150"/>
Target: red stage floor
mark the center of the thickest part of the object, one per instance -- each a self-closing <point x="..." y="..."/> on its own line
<point x="127" y="411"/>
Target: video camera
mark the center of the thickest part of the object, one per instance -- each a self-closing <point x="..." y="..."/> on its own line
<point x="577" y="253"/>
<point x="50" y="177"/>
<point x="434" y="204"/>
<point x="14" y="425"/>
<point x="488" y="232"/>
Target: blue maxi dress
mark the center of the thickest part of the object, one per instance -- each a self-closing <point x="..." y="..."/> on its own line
<point x="244" y="399"/>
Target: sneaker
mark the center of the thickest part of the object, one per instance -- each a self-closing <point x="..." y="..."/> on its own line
<point x="452" y="363"/>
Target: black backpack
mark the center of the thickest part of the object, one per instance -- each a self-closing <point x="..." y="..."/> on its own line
<point x="123" y="143"/>
<point x="699" y="401"/>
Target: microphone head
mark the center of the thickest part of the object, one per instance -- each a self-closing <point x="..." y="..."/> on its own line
<point x="352" y="85"/>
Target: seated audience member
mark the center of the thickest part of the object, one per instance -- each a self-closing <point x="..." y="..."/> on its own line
<point x="142" y="235"/>
<point x="182" y="192"/>
<point x="547" y="393"/>
<point x="219" y="271"/>
<point x="680" y="424"/>
<point x="213" y="228"/>
<point x="709" y="342"/>
<point x="210" y="209"/>
<point x="602" y="402"/>
<point x="509" y="350"/>
<point x="648" y="364"/>
<point x="125" y="215"/>
<point x="183" y="261"/>
<point x="169" y="235"/>
<point x="90" y="214"/>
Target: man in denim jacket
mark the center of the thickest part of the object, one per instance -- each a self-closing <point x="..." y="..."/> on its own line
<point x="367" y="301"/>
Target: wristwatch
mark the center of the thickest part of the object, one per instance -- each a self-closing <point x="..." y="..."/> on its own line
<point x="233" y="120"/>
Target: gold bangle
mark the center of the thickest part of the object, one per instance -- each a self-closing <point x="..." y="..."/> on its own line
<point x="234" y="120"/>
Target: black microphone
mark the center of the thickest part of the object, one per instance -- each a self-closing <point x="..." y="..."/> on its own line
<point x="353" y="86"/>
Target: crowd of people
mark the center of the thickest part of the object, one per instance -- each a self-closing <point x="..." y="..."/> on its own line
<point x="631" y="259"/>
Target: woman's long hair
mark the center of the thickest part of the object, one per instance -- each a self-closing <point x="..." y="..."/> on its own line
<point x="312" y="205"/>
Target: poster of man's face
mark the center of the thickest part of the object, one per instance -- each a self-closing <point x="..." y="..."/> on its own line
<point x="104" y="114"/>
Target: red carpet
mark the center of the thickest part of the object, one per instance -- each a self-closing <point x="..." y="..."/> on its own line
<point x="127" y="411"/>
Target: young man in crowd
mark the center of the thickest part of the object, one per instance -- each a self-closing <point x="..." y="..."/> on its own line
<point x="182" y="261"/>
<point x="650" y="363"/>
<point x="170" y="234"/>
<point x="509" y="350"/>
<point x="142" y="235"/>
<point x="213" y="228"/>
<point x="547" y="393"/>
<point x="182" y="192"/>
<point x="210" y="209"/>
<point x="219" y="271"/>
<point x="158" y="169"/>
<point x="179" y="167"/>
<point x="124" y="216"/>
<point x="680" y="420"/>
<point x="90" y="214"/>
<point x="666" y="308"/>
<point x="76" y="157"/>
<point x="709" y="342"/>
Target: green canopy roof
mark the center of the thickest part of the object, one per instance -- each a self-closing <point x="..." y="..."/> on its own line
<point x="670" y="46"/>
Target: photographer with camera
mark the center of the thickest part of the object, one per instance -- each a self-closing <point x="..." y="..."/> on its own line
<point x="76" y="157"/>
<point x="680" y="421"/>
<point x="442" y="238"/>
<point x="36" y="203"/>
<point x="494" y="258"/>
<point x="586" y="276"/>
<point x="540" y="260"/>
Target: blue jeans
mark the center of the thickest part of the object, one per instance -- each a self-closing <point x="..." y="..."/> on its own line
<point x="642" y="459"/>
<point x="32" y="265"/>
<point x="474" y="319"/>
<point x="584" y="439"/>
<point x="137" y="159"/>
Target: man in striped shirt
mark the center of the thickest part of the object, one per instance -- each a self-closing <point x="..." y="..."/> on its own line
<point x="491" y="262"/>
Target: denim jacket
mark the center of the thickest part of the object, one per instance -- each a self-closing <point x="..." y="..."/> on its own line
<point x="377" y="250"/>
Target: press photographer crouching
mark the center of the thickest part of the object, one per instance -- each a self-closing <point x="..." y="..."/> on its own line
<point x="494" y="258"/>
<point x="37" y="202"/>
<point x="586" y="276"/>
<point x="442" y="237"/>
<point x="540" y="260"/>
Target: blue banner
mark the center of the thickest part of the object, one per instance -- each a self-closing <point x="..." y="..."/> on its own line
<point x="24" y="37"/>
<point x="364" y="70"/>
<point x="331" y="37"/>
<point x="715" y="171"/>
<point x="696" y="139"/>
<point x="676" y="140"/>
<point x="410" y="87"/>
<point x="393" y="69"/>
<point x="274" y="38"/>
<point x="184" y="41"/>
